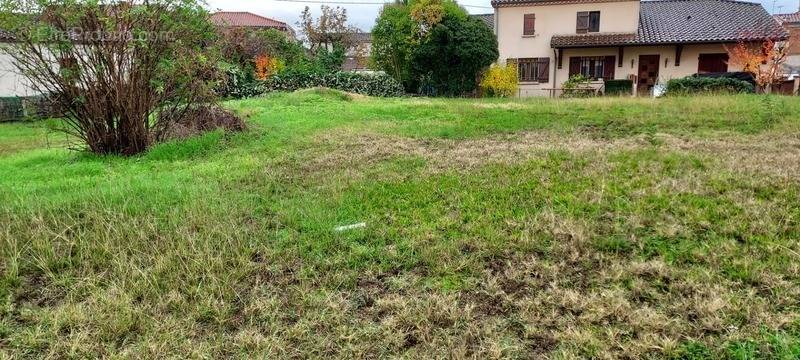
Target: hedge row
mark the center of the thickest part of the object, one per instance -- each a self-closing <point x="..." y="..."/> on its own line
<point x="706" y="85"/>
<point x="24" y="108"/>
<point x="381" y="85"/>
<point x="618" y="87"/>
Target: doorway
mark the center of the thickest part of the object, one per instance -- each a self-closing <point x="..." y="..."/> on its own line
<point x="648" y="73"/>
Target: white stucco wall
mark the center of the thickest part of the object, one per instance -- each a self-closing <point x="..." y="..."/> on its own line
<point x="11" y="82"/>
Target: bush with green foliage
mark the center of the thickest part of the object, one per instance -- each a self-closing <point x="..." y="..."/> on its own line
<point x="500" y="81"/>
<point x="576" y="86"/>
<point x="706" y="85"/>
<point x="618" y="87"/>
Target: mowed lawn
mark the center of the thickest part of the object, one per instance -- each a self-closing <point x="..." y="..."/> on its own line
<point x="585" y="228"/>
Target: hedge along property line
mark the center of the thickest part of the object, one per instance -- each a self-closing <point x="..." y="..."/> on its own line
<point x="380" y="85"/>
<point x="24" y="108"/>
<point x="618" y="87"/>
<point x="706" y="85"/>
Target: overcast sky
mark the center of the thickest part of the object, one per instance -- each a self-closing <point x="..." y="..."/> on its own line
<point x="364" y="16"/>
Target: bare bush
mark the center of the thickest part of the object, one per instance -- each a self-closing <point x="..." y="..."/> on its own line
<point x="115" y="66"/>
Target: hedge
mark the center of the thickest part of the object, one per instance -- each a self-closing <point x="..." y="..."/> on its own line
<point x="381" y="85"/>
<point x="239" y="85"/>
<point x="618" y="87"/>
<point x="705" y="85"/>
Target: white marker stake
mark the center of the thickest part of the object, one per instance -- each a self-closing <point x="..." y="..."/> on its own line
<point x="350" y="227"/>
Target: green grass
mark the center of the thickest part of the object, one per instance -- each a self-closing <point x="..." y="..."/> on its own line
<point x="495" y="228"/>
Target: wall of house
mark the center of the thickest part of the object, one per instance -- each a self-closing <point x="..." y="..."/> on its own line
<point x="11" y="82"/>
<point x="630" y="64"/>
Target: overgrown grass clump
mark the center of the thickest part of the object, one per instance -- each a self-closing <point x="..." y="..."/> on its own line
<point x="495" y="228"/>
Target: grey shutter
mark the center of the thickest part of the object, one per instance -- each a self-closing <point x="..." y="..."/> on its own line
<point x="582" y="26"/>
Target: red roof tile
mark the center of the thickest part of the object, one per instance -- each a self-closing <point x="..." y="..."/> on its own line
<point x="788" y="18"/>
<point x="245" y="19"/>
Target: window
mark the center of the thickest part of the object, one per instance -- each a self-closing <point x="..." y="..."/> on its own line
<point x="529" y="24"/>
<point x="593" y="67"/>
<point x="533" y="69"/>
<point x="588" y="21"/>
<point x="712" y="63"/>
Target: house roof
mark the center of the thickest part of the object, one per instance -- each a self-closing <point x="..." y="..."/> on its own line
<point x="363" y="37"/>
<point x="687" y="22"/>
<point x="245" y="19"/>
<point x="788" y="18"/>
<point x="486" y="18"/>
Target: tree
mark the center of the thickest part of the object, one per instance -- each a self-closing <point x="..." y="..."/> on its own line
<point x="121" y="71"/>
<point x="432" y="46"/>
<point x="329" y="29"/>
<point x="242" y="45"/>
<point x="393" y="43"/>
<point x="455" y="52"/>
<point x="765" y="61"/>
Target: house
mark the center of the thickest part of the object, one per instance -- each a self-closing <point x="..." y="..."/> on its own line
<point x="243" y="19"/>
<point x="791" y="22"/>
<point x="357" y="57"/>
<point x="648" y="42"/>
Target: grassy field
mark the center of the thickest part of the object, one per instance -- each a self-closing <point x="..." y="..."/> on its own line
<point x="600" y="228"/>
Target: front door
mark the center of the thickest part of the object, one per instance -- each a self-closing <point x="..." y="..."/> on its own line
<point x="648" y="73"/>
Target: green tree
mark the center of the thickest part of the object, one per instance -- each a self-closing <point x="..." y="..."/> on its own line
<point x="393" y="43"/>
<point x="452" y="56"/>
<point x="432" y="46"/>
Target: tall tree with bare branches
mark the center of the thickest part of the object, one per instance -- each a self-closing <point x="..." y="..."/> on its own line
<point x="330" y="29"/>
<point x="121" y="70"/>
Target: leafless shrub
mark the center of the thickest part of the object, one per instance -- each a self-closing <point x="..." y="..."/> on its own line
<point x="114" y="66"/>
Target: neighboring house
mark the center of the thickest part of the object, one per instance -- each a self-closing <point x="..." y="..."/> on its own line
<point x="243" y="19"/>
<point x="486" y="18"/>
<point x="357" y="57"/>
<point x="648" y="42"/>
<point x="791" y="22"/>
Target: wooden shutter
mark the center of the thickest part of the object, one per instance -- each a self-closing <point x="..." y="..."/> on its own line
<point x="574" y="66"/>
<point x="608" y="68"/>
<point x="529" y="24"/>
<point x="582" y="26"/>
<point x="544" y="70"/>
